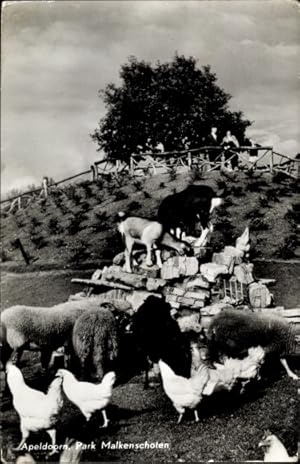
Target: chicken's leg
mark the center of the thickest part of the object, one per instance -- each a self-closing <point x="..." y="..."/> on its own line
<point x="196" y="415"/>
<point x="106" y="421"/>
<point x="289" y="372"/>
<point x="180" y="418"/>
<point x="52" y="434"/>
<point x="25" y="435"/>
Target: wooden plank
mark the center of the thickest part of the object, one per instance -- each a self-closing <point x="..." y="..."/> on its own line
<point x="101" y="283"/>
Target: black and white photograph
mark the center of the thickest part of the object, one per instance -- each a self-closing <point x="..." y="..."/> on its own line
<point x="150" y="231"/>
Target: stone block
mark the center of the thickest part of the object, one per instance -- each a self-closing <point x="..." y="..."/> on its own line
<point x="259" y="295"/>
<point x="200" y="295"/>
<point x="196" y="282"/>
<point x="198" y="304"/>
<point x="169" y="270"/>
<point x="175" y="304"/>
<point x="212" y="270"/>
<point x="243" y="273"/>
<point x="224" y="259"/>
<point x="170" y="298"/>
<point x="153" y="285"/>
<point x="185" y="301"/>
<point x="178" y="291"/>
<point x="178" y="266"/>
<point x="238" y="254"/>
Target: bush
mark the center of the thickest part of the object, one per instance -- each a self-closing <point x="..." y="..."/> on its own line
<point x="133" y="206"/>
<point x="259" y="224"/>
<point x="39" y="241"/>
<point x="79" y="252"/>
<point x="287" y="248"/>
<point x="54" y="225"/>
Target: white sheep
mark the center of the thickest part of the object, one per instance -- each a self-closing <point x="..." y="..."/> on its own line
<point x="47" y="328"/>
<point x="149" y="233"/>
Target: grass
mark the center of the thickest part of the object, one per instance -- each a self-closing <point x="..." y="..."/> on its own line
<point x="87" y="211"/>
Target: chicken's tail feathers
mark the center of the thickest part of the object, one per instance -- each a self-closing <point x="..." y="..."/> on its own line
<point x="109" y="379"/>
<point x="165" y="370"/>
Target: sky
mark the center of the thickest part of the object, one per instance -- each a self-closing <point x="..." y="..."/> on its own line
<point x="56" y="56"/>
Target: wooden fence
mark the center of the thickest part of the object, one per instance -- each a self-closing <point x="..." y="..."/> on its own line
<point x="250" y="158"/>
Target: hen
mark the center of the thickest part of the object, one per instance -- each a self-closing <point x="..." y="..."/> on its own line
<point x="88" y="397"/>
<point x="37" y="410"/>
<point x="275" y="450"/>
<point x="184" y="393"/>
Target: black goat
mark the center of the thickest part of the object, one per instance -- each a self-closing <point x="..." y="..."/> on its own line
<point x="188" y="207"/>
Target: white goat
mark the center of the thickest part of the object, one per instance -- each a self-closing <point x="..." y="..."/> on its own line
<point x="149" y="233"/>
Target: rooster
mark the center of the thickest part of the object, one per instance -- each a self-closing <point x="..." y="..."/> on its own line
<point x="275" y="450"/>
<point x="88" y="397"/>
<point x="184" y="393"/>
<point x="37" y="410"/>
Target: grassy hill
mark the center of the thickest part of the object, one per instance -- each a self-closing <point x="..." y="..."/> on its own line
<point x="76" y="224"/>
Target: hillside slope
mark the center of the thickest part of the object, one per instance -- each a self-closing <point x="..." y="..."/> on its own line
<point x="76" y="224"/>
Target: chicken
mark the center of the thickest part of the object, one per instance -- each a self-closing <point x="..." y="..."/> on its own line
<point x="71" y="455"/>
<point x="184" y="393"/>
<point x="225" y="376"/>
<point x="274" y="449"/>
<point x="88" y="397"/>
<point x="37" y="410"/>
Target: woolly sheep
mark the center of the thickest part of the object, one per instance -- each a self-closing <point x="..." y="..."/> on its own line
<point x="232" y="332"/>
<point x="158" y="336"/>
<point x="95" y="343"/>
<point x="47" y="327"/>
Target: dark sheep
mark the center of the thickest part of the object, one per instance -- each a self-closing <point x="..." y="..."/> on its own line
<point x="95" y="343"/>
<point x="232" y="332"/>
<point x="158" y="336"/>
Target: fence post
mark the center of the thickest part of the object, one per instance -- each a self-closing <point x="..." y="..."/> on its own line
<point x="93" y="171"/>
<point x="189" y="159"/>
<point x="45" y="186"/>
<point x="131" y="165"/>
<point x="271" y="162"/>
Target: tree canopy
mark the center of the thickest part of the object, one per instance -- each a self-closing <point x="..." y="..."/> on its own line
<point x="164" y="103"/>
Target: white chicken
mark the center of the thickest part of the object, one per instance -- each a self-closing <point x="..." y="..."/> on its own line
<point x="88" y="397"/>
<point x="37" y="410"/>
<point x="275" y="450"/>
<point x="184" y="393"/>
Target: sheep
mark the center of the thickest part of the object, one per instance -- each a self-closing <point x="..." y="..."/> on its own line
<point x="182" y="210"/>
<point x="149" y="233"/>
<point x="47" y="327"/>
<point x="95" y="343"/>
<point x="232" y="332"/>
<point x="158" y="336"/>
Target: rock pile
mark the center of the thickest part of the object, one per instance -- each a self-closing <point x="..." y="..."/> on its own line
<point x="187" y="283"/>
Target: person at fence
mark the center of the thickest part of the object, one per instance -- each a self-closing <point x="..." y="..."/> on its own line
<point x="149" y="145"/>
<point x="253" y="153"/>
<point x="212" y="140"/>
<point x="159" y="148"/>
<point x="230" y="141"/>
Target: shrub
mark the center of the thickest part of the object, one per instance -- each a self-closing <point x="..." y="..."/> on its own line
<point x="120" y="195"/>
<point x="59" y="242"/>
<point x="287" y="248"/>
<point x="133" y="206"/>
<point x="39" y="241"/>
<point x="79" y="252"/>
<point x="146" y="194"/>
<point x="172" y="174"/>
<point x="54" y="224"/>
<point x="259" y="224"/>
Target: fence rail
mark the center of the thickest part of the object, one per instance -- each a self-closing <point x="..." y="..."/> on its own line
<point x="206" y="159"/>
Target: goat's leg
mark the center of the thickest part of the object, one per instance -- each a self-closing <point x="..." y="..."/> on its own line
<point x="128" y="253"/>
<point x="289" y="372"/>
<point x="202" y="237"/>
<point x="149" y="252"/>
<point x="158" y="256"/>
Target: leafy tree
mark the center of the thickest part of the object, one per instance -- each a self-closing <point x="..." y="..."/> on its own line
<point x="164" y="103"/>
